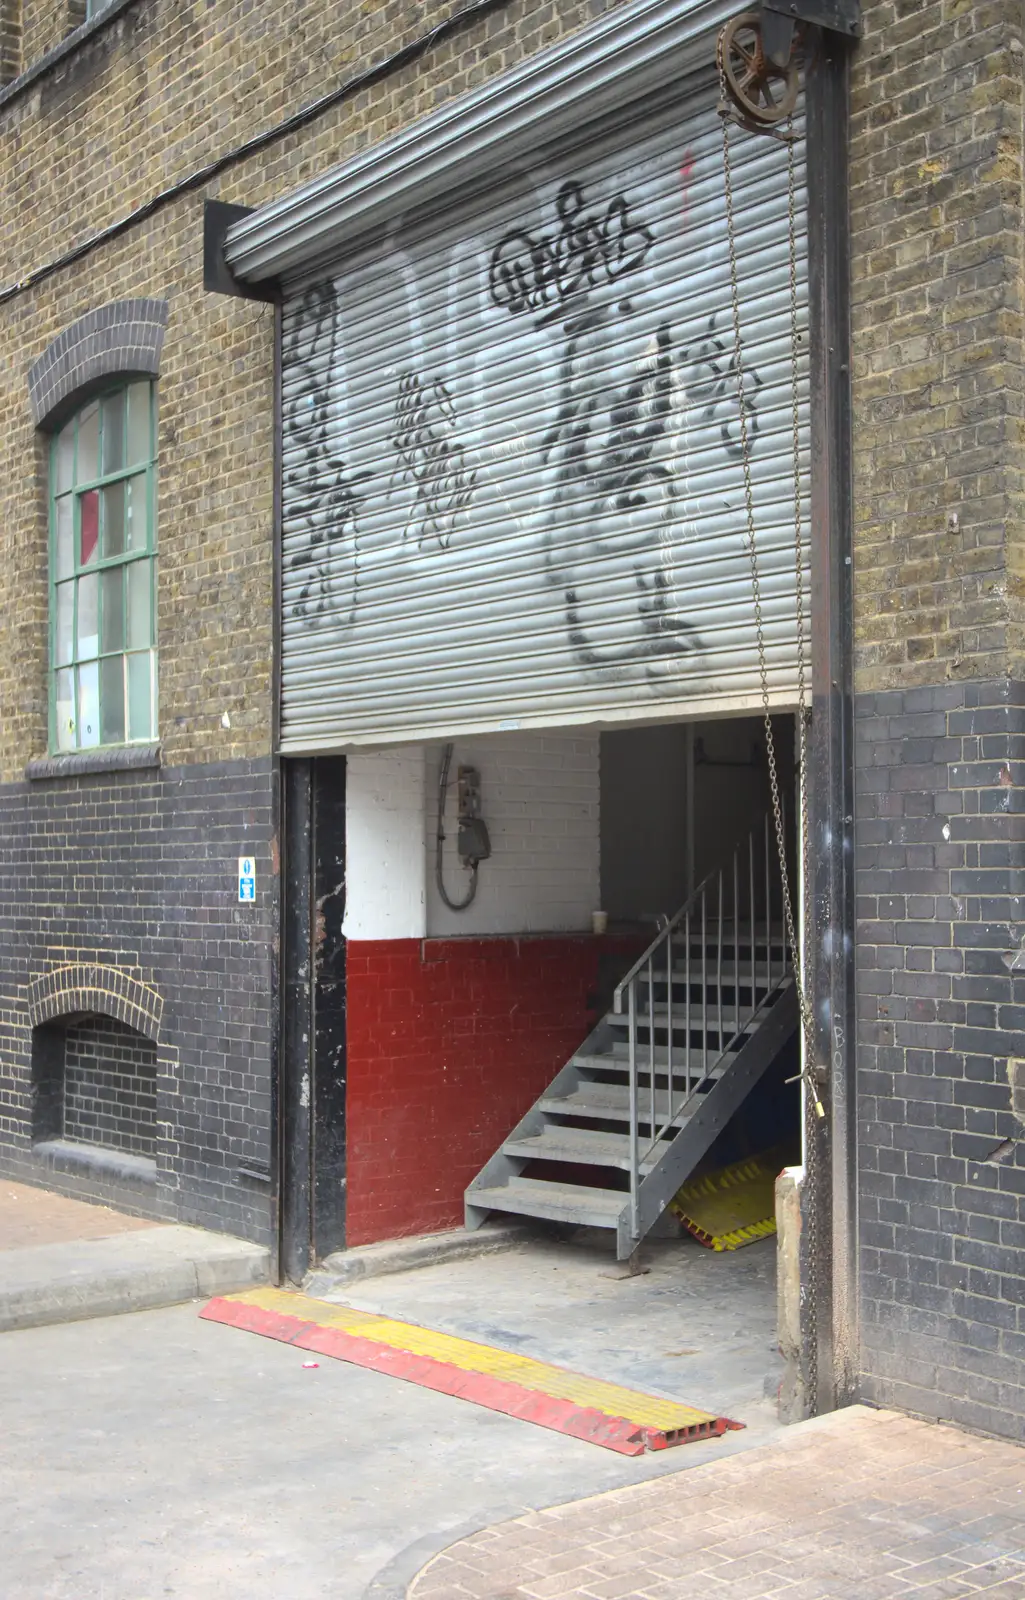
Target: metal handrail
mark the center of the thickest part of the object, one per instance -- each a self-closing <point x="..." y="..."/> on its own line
<point x="658" y="939"/>
<point x="709" y="904"/>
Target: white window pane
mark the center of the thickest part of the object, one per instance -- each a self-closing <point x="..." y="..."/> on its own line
<point x="139" y="447"/>
<point x="64" y="710"/>
<point x="64" y="631"/>
<point x="140" y="696"/>
<point x="140" y="605"/>
<point x="88" y="705"/>
<point x="66" y="458"/>
<point x="88" y="444"/>
<point x="135" y="513"/>
<point x="112" y="613"/>
<point x="112" y="518"/>
<point x="112" y="700"/>
<point x="88" y="617"/>
<point x="114" y="432"/>
<point x="65" y="537"/>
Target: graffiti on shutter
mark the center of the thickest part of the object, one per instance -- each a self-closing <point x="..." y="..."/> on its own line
<point x="512" y="487"/>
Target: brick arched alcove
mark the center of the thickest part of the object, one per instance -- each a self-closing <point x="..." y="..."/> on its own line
<point x="96" y="1062"/>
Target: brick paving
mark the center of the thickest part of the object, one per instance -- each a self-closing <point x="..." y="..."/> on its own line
<point x="30" y="1216"/>
<point x="862" y="1505"/>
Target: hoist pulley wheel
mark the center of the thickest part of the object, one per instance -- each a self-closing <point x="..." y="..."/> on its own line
<point x="761" y="91"/>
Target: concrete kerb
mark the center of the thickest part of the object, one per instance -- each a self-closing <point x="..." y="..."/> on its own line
<point x="395" y="1579"/>
<point x="340" y="1271"/>
<point x="162" y="1266"/>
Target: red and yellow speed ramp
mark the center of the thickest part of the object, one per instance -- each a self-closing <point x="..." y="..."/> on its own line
<point x="602" y="1413"/>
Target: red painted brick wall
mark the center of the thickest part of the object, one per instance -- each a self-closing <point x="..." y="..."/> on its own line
<point x="449" y="1043"/>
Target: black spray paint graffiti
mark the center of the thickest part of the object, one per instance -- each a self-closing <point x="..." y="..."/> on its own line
<point x="602" y="449"/>
<point x="545" y="272"/>
<point x="322" y="496"/>
<point x="713" y="387"/>
<point x="610" y="453"/>
<point x="431" y="459"/>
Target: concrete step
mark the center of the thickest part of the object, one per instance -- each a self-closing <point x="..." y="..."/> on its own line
<point x="345" y="1267"/>
<point x="558" y="1202"/>
<point x="582" y="1146"/>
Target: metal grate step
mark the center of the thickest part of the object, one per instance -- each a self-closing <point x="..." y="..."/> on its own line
<point x="705" y="1009"/>
<point x="581" y="1146"/>
<point x="618" y="1059"/>
<point x="558" y="1202"/>
<point x="659" y="1018"/>
<point x="610" y="1102"/>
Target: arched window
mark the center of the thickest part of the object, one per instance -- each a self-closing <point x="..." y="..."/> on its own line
<point x="102" y="572"/>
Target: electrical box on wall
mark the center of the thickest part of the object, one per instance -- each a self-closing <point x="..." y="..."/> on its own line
<point x="468" y="792"/>
<point x="473" y="841"/>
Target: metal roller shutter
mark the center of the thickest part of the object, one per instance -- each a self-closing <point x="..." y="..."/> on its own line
<point x="512" y="488"/>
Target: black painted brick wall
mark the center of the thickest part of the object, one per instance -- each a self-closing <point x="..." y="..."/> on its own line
<point x="940" y="870"/>
<point x="139" y="870"/>
<point x="110" y="1086"/>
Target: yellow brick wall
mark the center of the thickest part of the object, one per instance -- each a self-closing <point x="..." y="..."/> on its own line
<point x="10" y="39"/>
<point x="163" y="89"/>
<point x="936" y="216"/>
<point x="44" y="24"/>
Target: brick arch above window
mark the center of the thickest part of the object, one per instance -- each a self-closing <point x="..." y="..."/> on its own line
<point x="123" y="339"/>
<point x="89" y="987"/>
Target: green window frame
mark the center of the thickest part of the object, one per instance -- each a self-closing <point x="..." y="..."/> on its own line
<point x="103" y="658"/>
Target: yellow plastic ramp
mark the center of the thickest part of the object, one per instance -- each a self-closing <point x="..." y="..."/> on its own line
<point x="731" y="1207"/>
<point x="619" y="1419"/>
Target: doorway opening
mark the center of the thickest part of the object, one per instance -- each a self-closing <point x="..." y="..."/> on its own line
<point x="687" y="1072"/>
<point x="453" y="1044"/>
<point x="436" y="1032"/>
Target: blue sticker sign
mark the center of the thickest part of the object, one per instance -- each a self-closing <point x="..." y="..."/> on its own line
<point x="246" y="878"/>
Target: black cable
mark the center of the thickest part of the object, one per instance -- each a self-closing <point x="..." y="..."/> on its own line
<point x="439" y="873"/>
<point x="393" y="63"/>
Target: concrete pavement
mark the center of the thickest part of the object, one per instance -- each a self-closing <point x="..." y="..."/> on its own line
<point x="158" y="1455"/>
<point x="179" y="1457"/>
<point x="62" y="1260"/>
<point x="31" y="1216"/>
<point x="696" y="1326"/>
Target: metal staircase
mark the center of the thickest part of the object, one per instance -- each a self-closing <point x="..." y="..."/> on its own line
<point x="693" y="1026"/>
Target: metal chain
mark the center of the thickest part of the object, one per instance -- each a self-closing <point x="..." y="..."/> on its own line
<point x="798" y="947"/>
<point x="815" y="1110"/>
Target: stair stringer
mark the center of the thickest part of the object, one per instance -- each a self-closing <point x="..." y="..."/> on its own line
<point x="777" y="1022"/>
<point x="497" y="1172"/>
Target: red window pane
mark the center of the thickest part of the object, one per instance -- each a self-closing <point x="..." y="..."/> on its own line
<point x="89" y="507"/>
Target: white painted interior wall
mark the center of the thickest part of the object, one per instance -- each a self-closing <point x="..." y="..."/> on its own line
<point x="384" y="845"/>
<point x="543" y="794"/>
<point x="540" y="800"/>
